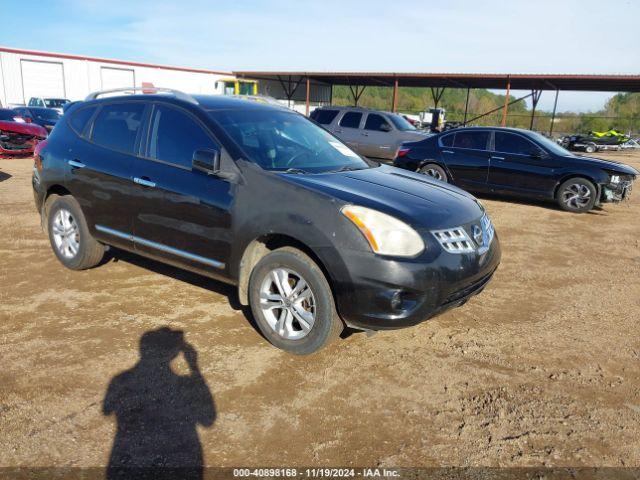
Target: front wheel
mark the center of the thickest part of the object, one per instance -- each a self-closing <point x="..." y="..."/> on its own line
<point x="434" y="171"/>
<point x="576" y="195"/>
<point x="292" y="302"/>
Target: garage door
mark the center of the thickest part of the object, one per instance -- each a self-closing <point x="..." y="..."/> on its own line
<point x="42" y="79"/>
<point x="116" y="78"/>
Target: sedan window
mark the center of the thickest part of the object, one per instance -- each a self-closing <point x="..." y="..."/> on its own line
<point x="447" y="140"/>
<point x="510" y="143"/>
<point x="472" y="140"/>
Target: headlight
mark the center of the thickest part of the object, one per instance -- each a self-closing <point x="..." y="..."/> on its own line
<point x="615" y="178"/>
<point x="386" y="235"/>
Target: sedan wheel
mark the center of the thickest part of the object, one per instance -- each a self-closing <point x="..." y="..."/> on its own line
<point x="434" y="171"/>
<point x="577" y="195"/>
<point x="287" y="303"/>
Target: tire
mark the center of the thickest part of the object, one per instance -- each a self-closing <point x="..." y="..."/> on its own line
<point x="590" y="148"/>
<point x="69" y="236"/>
<point x="576" y="195"/>
<point x="435" y="171"/>
<point x="285" y="326"/>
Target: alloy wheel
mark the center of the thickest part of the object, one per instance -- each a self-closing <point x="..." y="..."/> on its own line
<point x="576" y="196"/>
<point x="432" y="172"/>
<point x="66" y="233"/>
<point x="287" y="303"/>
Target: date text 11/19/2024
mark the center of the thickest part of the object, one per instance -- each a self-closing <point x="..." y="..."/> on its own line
<point x="316" y="472"/>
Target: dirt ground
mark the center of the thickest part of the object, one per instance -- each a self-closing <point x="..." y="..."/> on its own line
<point x="542" y="368"/>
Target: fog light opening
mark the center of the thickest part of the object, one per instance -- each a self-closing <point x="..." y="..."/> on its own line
<point x="396" y="300"/>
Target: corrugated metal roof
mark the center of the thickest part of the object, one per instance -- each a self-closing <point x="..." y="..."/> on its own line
<point x="519" y="81"/>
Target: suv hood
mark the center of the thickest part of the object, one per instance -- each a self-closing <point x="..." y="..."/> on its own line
<point x="606" y="164"/>
<point x="413" y="198"/>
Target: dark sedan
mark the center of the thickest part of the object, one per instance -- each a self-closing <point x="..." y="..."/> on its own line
<point x="518" y="162"/>
<point x="45" y="117"/>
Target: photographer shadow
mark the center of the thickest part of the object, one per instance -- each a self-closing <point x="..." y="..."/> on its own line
<point x="157" y="412"/>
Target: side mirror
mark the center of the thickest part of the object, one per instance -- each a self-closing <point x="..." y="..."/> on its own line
<point x="206" y="161"/>
<point x="385" y="127"/>
<point x="536" y="154"/>
<point x="28" y="119"/>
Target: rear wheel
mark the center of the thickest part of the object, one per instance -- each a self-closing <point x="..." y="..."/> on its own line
<point x="292" y="302"/>
<point x="435" y="171"/>
<point x="576" y="195"/>
<point x="70" y="239"/>
<point x="590" y="148"/>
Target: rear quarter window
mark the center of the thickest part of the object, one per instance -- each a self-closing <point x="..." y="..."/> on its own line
<point x="447" y="140"/>
<point x="324" y="117"/>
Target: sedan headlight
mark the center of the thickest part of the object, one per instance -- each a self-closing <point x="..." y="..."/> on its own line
<point x="615" y="178"/>
<point x="386" y="235"/>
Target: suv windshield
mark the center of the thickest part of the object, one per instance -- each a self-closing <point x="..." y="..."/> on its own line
<point x="55" y="102"/>
<point x="283" y="141"/>
<point x="400" y="122"/>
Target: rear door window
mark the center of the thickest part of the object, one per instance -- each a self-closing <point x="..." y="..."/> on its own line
<point x="377" y="123"/>
<point x="175" y="135"/>
<point x="471" y="140"/>
<point x="117" y="126"/>
<point x="351" y="120"/>
<point x="324" y="117"/>
<point x="506" y="142"/>
<point x="80" y="118"/>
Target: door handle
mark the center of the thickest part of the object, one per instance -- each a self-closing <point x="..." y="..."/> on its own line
<point x="365" y="134"/>
<point x="496" y="158"/>
<point x="338" y="130"/>
<point x="447" y="151"/>
<point x="144" y="182"/>
<point x="76" y="164"/>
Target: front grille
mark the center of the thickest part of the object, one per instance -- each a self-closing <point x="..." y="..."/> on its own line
<point x="454" y="240"/>
<point x="458" y="239"/>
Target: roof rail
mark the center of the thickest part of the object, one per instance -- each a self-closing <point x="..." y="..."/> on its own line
<point x="176" y="93"/>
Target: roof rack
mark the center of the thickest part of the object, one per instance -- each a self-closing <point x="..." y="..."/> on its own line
<point x="176" y="93"/>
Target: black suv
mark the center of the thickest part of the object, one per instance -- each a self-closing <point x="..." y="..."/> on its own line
<point x="313" y="235"/>
<point x="518" y="162"/>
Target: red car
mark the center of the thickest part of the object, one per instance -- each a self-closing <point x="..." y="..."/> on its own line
<point x="16" y="136"/>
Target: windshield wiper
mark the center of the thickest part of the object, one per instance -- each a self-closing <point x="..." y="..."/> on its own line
<point x="294" y="170"/>
<point x="345" y="168"/>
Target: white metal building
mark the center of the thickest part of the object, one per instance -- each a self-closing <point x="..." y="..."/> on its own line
<point x="25" y="74"/>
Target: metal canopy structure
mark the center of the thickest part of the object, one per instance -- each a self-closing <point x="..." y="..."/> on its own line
<point x="586" y="83"/>
<point x="438" y="82"/>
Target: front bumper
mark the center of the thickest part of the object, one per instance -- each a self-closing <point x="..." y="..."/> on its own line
<point x="375" y="293"/>
<point x="616" y="192"/>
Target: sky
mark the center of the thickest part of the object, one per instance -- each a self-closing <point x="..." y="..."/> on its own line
<point x="481" y="36"/>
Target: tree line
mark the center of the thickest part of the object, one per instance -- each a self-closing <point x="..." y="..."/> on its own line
<point x="621" y="112"/>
